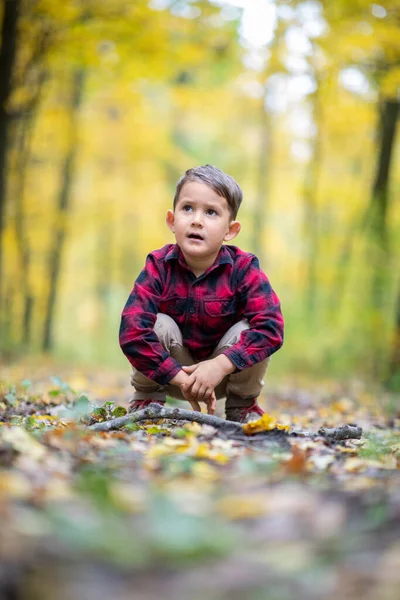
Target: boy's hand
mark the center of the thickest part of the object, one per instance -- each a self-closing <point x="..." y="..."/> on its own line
<point x="181" y="380"/>
<point x="204" y="378"/>
<point x="210" y="402"/>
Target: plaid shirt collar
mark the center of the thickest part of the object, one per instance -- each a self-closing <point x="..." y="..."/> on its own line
<point x="223" y="257"/>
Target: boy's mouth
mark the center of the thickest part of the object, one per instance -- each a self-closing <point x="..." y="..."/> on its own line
<point x="195" y="236"/>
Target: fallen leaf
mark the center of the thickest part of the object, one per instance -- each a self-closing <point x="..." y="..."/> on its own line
<point x="297" y="464"/>
<point x="14" y="485"/>
<point x="243" y="507"/>
<point x="23" y="442"/>
<point x="265" y="423"/>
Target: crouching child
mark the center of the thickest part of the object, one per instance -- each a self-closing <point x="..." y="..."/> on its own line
<point x="202" y="319"/>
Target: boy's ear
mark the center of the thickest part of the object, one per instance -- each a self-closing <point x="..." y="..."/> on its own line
<point x="233" y="230"/>
<point x="171" y="220"/>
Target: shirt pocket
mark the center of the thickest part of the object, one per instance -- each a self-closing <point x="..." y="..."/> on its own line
<point x="216" y="308"/>
<point x="174" y="306"/>
<point x="219" y="316"/>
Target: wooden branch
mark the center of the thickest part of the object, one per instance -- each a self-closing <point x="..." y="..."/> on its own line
<point x="336" y="434"/>
<point x="154" y="412"/>
<point x="344" y="432"/>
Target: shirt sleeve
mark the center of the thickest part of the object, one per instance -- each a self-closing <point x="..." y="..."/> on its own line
<point x="262" y="309"/>
<point x="137" y="338"/>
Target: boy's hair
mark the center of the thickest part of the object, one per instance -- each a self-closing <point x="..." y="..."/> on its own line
<point x="222" y="183"/>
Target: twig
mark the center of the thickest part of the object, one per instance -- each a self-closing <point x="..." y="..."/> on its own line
<point x="336" y="434"/>
<point x="344" y="432"/>
<point x="155" y="412"/>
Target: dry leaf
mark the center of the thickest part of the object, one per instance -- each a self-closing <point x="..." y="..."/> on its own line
<point x="298" y="463"/>
<point x="265" y="423"/>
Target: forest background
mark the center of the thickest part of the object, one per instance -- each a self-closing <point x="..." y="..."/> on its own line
<point x="104" y="105"/>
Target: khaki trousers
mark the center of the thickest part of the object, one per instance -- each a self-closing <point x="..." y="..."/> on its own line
<point x="244" y="384"/>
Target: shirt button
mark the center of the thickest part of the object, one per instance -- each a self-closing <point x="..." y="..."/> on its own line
<point x="191" y="310"/>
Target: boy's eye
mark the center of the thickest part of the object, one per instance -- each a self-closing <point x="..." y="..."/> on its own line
<point x="211" y="211"/>
<point x="187" y="207"/>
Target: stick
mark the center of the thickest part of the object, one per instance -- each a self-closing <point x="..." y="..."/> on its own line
<point x="154" y="412"/>
<point x="336" y="434"/>
<point x="344" y="432"/>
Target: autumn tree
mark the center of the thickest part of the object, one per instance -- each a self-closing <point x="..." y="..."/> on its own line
<point x="9" y="28"/>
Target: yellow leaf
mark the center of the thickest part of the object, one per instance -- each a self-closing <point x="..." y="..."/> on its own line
<point x="14" y="485"/>
<point x="202" y="451"/>
<point x="265" y="423"/>
<point x="243" y="507"/>
<point x="206" y="452"/>
<point x="203" y="470"/>
<point x="354" y="464"/>
<point x="195" y="428"/>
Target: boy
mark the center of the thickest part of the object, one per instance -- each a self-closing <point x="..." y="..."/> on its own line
<point x="202" y="319"/>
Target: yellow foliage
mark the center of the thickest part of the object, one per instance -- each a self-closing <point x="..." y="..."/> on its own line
<point x="265" y="423"/>
<point x="243" y="507"/>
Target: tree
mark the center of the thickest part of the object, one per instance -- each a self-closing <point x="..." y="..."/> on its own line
<point x="9" y="28"/>
<point x="63" y="207"/>
<point x="379" y="205"/>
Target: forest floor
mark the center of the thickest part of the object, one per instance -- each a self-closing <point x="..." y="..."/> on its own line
<point x="176" y="510"/>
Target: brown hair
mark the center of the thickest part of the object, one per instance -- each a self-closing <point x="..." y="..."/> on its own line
<point x="224" y="185"/>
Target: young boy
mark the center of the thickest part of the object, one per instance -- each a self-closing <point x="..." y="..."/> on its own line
<point x="202" y="319"/>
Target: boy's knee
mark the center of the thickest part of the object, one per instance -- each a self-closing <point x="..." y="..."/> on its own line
<point x="167" y="331"/>
<point x="232" y="336"/>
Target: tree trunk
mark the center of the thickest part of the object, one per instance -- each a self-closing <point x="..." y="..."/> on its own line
<point x="27" y="124"/>
<point x="394" y="365"/>
<point x="310" y="214"/>
<point x="64" y="201"/>
<point x="379" y="205"/>
<point x="7" y="60"/>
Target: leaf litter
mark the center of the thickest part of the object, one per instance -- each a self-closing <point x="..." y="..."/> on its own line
<point x="179" y="509"/>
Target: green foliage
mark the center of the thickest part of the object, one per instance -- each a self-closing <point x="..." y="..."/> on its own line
<point x="380" y="444"/>
<point x="119" y="411"/>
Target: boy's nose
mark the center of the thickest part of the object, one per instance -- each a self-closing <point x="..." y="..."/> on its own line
<point x="197" y="220"/>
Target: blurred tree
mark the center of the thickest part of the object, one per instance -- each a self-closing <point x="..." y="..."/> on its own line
<point x="311" y="217"/>
<point x="166" y="89"/>
<point x="29" y="81"/>
<point x="119" y="46"/>
<point x="9" y="26"/>
<point x="379" y="205"/>
<point x="393" y="376"/>
<point x="63" y="206"/>
<point x="364" y="38"/>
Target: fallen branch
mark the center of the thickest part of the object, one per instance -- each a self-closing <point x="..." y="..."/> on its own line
<point x="154" y="412"/>
<point x="344" y="432"/>
<point x="336" y="434"/>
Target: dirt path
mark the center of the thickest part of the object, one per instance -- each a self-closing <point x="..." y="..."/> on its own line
<point x="179" y="510"/>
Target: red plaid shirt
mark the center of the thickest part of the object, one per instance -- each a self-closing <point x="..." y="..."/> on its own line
<point x="204" y="308"/>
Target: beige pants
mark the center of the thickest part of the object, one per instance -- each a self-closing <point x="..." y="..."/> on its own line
<point x="244" y="384"/>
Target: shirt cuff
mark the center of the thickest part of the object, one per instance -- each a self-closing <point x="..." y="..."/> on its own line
<point x="166" y="371"/>
<point x="236" y="357"/>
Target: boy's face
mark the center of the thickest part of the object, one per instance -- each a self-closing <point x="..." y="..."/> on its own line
<point x="201" y="221"/>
